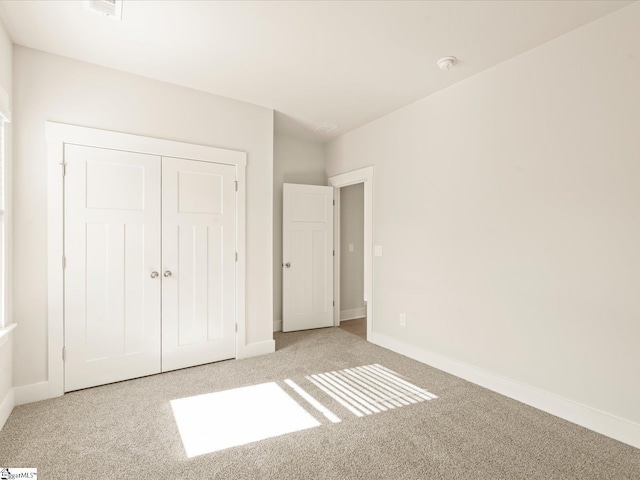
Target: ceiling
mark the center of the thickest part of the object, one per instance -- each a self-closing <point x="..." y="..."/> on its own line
<point x="344" y="63"/>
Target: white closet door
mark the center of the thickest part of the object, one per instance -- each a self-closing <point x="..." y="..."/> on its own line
<point x="112" y="246"/>
<point x="307" y="253"/>
<point x="198" y="271"/>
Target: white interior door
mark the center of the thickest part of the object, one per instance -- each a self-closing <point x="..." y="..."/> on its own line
<point x="112" y="246"/>
<point x="198" y="268"/>
<point x="307" y="241"/>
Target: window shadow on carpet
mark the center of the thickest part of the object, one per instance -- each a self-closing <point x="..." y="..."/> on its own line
<point x="229" y="418"/>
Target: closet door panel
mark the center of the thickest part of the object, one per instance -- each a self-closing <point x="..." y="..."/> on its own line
<point x="199" y="266"/>
<point x="112" y="244"/>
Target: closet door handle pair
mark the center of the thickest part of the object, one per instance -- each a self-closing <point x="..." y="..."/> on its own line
<point x="166" y="274"/>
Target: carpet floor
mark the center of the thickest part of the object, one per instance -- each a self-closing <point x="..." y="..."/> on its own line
<point x="130" y="429"/>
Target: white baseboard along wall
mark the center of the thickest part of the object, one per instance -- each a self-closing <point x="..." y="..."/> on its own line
<point x="353" y="313"/>
<point x="33" y="392"/>
<point x="6" y="407"/>
<point x="7" y="394"/>
<point x="601" y="422"/>
<point x="36" y="392"/>
<point x="344" y="315"/>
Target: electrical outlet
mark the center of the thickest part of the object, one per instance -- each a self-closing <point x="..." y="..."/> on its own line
<point x="403" y="320"/>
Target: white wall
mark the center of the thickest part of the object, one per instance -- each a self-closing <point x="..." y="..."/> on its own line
<point x="49" y="87"/>
<point x="294" y="161"/>
<point x="508" y="206"/>
<point x="352" y="263"/>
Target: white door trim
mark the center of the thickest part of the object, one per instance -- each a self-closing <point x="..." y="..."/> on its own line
<point x="362" y="175"/>
<point x="57" y="135"/>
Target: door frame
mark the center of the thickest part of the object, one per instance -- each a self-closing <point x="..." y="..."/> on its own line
<point x="59" y="134"/>
<point x="365" y="176"/>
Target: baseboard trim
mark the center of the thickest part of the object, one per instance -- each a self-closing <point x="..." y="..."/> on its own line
<point x="601" y="422"/>
<point x="32" y="393"/>
<point x="41" y="390"/>
<point x="258" y="348"/>
<point x="353" y="313"/>
<point x="277" y="325"/>
<point x="6" y="407"/>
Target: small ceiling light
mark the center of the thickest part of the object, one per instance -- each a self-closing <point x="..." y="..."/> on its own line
<point x="446" y="63"/>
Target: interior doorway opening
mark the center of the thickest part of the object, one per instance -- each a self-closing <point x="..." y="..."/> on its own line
<point x="311" y="254"/>
<point x="353" y="309"/>
<point x="363" y="178"/>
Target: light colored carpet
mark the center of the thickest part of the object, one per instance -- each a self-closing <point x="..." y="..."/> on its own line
<point x="128" y="430"/>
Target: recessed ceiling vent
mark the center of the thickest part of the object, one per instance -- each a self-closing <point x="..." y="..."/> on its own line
<point x="109" y="8"/>
<point x="326" y="127"/>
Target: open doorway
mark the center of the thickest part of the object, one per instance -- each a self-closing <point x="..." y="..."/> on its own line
<point x="353" y="310"/>
<point x="362" y="180"/>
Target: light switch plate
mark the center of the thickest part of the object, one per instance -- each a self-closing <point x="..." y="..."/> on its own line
<point x="377" y="251"/>
<point x="351" y="247"/>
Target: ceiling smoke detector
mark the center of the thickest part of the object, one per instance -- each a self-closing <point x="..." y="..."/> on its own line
<point x="326" y="127"/>
<point x="445" y="63"/>
<point x="109" y="8"/>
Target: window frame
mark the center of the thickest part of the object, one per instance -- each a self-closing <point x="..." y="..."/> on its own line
<point x="5" y="224"/>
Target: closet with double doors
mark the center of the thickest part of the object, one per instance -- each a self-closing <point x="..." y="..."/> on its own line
<point x="150" y="263"/>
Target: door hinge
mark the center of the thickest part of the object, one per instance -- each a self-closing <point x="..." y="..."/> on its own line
<point x="64" y="262"/>
<point x="334" y="253"/>
<point x="64" y="354"/>
<point x="334" y="303"/>
<point x="236" y="328"/>
<point x="64" y="168"/>
<point x="334" y="203"/>
<point x="236" y="256"/>
<point x="236" y="185"/>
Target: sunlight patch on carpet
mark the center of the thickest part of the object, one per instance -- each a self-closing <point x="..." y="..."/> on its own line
<point x="230" y="418"/>
<point x="215" y="421"/>
<point x="369" y="389"/>
<point x="332" y="417"/>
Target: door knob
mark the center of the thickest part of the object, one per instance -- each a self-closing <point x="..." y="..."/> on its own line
<point x="288" y="265"/>
<point x="167" y="273"/>
<point x="154" y="274"/>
